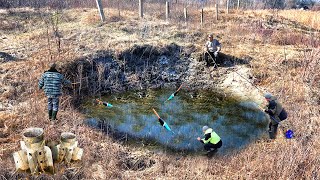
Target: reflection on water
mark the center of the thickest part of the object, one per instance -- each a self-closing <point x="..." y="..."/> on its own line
<point x="237" y="123"/>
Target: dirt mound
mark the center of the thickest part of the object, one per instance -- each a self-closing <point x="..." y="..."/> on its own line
<point x="240" y="82"/>
<point x="134" y="162"/>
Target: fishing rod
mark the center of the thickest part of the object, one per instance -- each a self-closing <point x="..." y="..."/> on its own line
<point x="162" y="122"/>
<point x="104" y="103"/>
<point x="248" y="81"/>
<point x="237" y="73"/>
<point x="175" y="93"/>
<point x="289" y="133"/>
<point x="212" y="59"/>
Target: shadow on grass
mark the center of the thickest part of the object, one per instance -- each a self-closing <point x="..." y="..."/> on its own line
<point x="5" y="57"/>
<point x="226" y="60"/>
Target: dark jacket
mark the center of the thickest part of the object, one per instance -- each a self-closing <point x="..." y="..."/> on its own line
<point x="275" y="109"/>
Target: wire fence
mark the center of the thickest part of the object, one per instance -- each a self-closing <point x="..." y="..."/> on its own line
<point x="194" y="11"/>
<point x="133" y="4"/>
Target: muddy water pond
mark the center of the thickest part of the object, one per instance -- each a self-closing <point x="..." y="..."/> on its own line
<point x="237" y="122"/>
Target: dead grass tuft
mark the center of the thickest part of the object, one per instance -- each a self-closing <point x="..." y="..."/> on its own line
<point x="308" y="18"/>
<point x="293" y="38"/>
<point x="91" y="18"/>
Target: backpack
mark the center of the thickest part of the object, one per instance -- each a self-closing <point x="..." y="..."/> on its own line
<point x="283" y="115"/>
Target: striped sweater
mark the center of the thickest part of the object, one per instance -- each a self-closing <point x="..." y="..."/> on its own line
<point x="51" y="82"/>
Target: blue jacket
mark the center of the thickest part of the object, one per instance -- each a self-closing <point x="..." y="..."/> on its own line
<point x="51" y="81"/>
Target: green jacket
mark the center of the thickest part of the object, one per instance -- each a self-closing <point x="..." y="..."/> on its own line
<point x="210" y="136"/>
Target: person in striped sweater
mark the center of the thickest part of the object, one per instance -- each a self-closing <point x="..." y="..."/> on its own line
<point x="51" y="81"/>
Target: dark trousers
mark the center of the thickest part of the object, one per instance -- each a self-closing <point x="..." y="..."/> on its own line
<point x="273" y="129"/>
<point x="211" y="59"/>
<point x="53" y="103"/>
<point x="210" y="146"/>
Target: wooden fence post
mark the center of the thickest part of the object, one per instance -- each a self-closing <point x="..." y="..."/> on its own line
<point x="185" y="14"/>
<point x="201" y="17"/>
<point x="217" y="9"/>
<point x="119" y="9"/>
<point x="100" y="8"/>
<point x="141" y="8"/>
<point x="167" y="10"/>
<point x="228" y="2"/>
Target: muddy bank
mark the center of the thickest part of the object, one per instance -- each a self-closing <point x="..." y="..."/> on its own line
<point x="143" y="67"/>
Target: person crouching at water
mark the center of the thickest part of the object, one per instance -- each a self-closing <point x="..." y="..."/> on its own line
<point x="211" y="139"/>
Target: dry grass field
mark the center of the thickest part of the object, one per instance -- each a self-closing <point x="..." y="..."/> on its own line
<point x="284" y="47"/>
